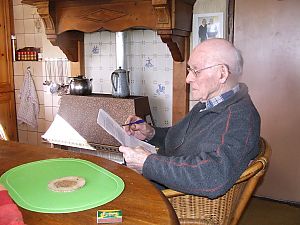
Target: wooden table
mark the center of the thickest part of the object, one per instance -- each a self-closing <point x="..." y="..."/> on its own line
<point x="140" y="202"/>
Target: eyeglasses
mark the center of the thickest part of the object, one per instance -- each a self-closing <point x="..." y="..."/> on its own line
<point x="197" y="72"/>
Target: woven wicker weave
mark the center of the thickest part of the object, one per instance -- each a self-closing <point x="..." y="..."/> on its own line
<point x="226" y="209"/>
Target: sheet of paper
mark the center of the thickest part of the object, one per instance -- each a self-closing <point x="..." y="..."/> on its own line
<point x="114" y="129"/>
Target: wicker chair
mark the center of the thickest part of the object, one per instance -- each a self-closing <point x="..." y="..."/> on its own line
<point x="3" y="135"/>
<point x="228" y="208"/>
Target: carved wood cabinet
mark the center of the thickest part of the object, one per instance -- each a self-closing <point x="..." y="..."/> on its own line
<point x="65" y="21"/>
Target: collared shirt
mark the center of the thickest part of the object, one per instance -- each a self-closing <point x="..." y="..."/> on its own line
<point x="218" y="99"/>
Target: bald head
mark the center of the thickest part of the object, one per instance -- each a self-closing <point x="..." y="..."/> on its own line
<point x="218" y="51"/>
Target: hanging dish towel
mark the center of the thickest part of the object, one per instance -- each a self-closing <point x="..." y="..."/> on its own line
<point x="29" y="103"/>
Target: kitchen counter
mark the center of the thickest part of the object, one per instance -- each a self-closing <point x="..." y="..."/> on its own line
<point x="79" y="113"/>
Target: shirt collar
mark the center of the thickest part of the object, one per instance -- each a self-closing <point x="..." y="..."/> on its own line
<point x="218" y="99"/>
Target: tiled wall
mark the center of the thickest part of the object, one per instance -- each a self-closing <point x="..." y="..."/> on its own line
<point x="30" y="32"/>
<point x="147" y="58"/>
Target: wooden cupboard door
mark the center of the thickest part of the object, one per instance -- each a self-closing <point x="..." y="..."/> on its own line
<point x="7" y="98"/>
<point x="8" y="115"/>
<point x="6" y="70"/>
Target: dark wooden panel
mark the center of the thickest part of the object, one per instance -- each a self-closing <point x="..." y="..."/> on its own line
<point x="6" y="71"/>
<point x="7" y="99"/>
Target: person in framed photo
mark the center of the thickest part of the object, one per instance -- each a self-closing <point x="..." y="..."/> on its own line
<point x="202" y="31"/>
<point x="212" y="29"/>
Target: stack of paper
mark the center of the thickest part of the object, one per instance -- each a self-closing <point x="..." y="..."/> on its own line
<point x="114" y="129"/>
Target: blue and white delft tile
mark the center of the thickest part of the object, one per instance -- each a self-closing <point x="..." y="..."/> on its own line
<point x="149" y="63"/>
<point x="95" y="50"/>
<point x="160" y="89"/>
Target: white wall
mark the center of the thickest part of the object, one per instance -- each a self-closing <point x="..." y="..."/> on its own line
<point x="270" y="45"/>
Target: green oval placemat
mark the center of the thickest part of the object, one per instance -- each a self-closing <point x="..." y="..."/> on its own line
<point x="28" y="185"/>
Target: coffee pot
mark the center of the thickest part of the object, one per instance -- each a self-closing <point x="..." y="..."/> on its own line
<point x="120" y="83"/>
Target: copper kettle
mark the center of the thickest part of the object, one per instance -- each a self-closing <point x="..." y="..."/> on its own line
<point x="120" y="83"/>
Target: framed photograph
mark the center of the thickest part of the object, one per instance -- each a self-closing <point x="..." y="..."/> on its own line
<point x="206" y="26"/>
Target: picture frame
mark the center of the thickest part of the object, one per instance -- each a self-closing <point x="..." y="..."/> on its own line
<point x="207" y="26"/>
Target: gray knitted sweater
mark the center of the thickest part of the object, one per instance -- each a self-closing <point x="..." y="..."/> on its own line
<point x="206" y="152"/>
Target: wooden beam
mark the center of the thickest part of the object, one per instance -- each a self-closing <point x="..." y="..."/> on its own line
<point x="78" y="68"/>
<point x="180" y="87"/>
<point x="230" y="10"/>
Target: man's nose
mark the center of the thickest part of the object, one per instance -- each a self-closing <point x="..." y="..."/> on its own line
<point x="189" y="77"/>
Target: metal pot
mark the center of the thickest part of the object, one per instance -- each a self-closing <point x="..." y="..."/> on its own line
<point x="120" y="83"/>
<point x="80" y="85"/>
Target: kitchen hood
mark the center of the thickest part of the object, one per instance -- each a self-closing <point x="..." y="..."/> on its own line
<point x="66" y="21"/>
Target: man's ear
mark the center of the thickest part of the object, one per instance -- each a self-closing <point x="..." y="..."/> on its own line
<point x="224" y="74"/>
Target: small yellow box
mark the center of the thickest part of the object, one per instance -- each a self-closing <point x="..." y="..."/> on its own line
<point x="109" y="216"/>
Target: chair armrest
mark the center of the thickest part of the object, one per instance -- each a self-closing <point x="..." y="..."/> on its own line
<point x="171" y="193"/>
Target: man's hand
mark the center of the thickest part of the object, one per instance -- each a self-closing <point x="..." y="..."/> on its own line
<point x="134" y="157"/>
<point x="141" y="131"/>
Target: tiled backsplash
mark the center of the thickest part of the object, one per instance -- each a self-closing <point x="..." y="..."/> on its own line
<point x="147" y="58"/>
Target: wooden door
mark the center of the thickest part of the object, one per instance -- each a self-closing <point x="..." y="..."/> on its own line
<point x="7" y="98"/>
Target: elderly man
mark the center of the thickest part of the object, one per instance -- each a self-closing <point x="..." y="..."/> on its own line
<point x="206" y="152"/>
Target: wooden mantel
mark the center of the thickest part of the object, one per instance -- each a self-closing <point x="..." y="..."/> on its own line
<point x="65" y="21"/>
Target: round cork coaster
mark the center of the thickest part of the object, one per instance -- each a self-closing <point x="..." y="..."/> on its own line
<point x="66" y="184"/>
